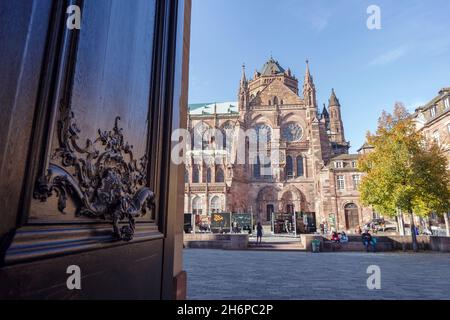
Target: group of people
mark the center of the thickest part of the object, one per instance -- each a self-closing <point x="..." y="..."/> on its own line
<point x="204" y="227"/>
<point x="340" y="237"/>
<point x="367" y="226"/>
<point x="367" y="239"/>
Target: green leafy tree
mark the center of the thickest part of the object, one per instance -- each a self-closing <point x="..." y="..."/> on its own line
<point x="405" y="171"/>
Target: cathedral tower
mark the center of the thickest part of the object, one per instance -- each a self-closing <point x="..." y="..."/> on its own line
<point x="336" y="125"/>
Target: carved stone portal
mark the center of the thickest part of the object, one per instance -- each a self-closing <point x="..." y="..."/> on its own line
<point x="103" y="178"/>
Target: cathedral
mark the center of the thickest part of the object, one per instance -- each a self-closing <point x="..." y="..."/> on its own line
<point x="315" y="175"/>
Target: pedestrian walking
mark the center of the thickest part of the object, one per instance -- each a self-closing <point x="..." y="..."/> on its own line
<point x="259" y="233"/>
<point x="235" y="227"/>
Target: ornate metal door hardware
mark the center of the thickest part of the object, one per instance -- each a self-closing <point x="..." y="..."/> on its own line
<point x="103" y="178"/>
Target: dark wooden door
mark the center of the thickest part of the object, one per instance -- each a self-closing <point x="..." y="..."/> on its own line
<point x="94" y="171"/>
<point x="351" y="216"/>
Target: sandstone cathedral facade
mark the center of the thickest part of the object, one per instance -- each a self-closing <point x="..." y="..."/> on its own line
<point x="315" y="176"/>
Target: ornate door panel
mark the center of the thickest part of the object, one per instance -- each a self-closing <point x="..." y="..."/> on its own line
<point x="98" y="155"/>
<point x="95" y="193"/>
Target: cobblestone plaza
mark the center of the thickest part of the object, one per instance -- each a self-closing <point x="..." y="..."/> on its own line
<point x="236" y="275"/>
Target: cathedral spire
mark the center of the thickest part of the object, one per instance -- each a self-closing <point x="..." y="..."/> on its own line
<point x="308" y="77"/>
<point x="243" y="91"/>
<point x="336" y="125"/>
<point x="243" y="78"/>
<point x="309" y="90"/>
<point x="334" y="101"/>
<point x="325" y="113"/>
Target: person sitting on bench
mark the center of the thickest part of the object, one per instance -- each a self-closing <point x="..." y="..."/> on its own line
<point x="335" y="237"/>
<point x="368" y="240"/>
<point x="343" y="237"/>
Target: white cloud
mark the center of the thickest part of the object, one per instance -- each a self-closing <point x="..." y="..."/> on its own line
<point x="320" y="21"/>
<point x="389" y="57"/>
<point x="313" y="14"/>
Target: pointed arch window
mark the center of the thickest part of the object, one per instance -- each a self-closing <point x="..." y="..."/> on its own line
<point x="219" y="175"/>
<point x="257" y="168"/>
<point x="195" y="174"/>
<point x="275" y="100"/>
<point x="300" y="168"/>
<point x="263" y="134"/>
<point x="201" y="136"/>
<point x="289" y="167"/>
<point x="227" y="132"/>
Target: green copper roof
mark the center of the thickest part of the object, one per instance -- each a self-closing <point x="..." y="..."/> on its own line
<point x="194" y="106"/>
<point x="213" y="108"/>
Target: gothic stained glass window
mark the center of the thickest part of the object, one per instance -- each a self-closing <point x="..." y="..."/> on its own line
<point x="292" y="132"/>
<point x="227" y="132"/>
<point x="263" y="133"/>
<point x="219" y="175"/>
<point x="257" y="168"/>
<point x="289" y="167"/>
<point x="201" y="136"/>
<point x="300" y="168"/>
<point x="195" y="174"/>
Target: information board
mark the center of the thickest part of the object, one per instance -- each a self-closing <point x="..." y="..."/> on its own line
<point x="244" y="220"/>
<point x="221" y="221"/>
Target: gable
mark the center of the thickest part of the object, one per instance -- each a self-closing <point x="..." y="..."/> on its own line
<point x="277" y="89"/>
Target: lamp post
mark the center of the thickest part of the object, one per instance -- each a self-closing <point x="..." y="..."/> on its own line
<point x="272" y="223"/>
<point x="295" y="224"/>
<point x="251" y="221"/>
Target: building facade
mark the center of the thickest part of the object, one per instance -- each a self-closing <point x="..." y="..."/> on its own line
<point x="433" y="119"/>
<point x="314" y="174"/>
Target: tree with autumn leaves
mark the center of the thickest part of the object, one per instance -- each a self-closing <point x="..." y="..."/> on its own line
<point x="405" y="172"/>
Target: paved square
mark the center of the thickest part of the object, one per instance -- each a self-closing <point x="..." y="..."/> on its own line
<point x="235" y="275"/>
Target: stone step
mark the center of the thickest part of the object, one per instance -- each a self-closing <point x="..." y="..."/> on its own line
<point x="277" y="246"/>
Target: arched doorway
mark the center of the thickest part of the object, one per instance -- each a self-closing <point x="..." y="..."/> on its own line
<point x="291" y="200"/>
<point x="351" y="216"/>
<point x="270" y="209"/>
<point x="267" y="202"/>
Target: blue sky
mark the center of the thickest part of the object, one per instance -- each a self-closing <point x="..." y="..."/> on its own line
<point x="408" y="60"/>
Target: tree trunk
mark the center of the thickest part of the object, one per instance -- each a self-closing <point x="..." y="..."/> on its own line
<point x="413" y="234"/>
<point x="401" y="223"/>
<point x="447" y="225"/>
